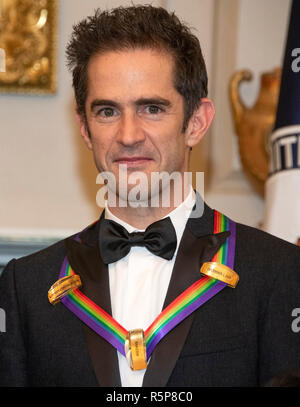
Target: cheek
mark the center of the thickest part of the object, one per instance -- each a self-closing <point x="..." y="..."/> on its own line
<point x="173" y="146"/>
<point x="169" y="136"/>
<point x="101" y="142"/>
<point x="99" y="150"/>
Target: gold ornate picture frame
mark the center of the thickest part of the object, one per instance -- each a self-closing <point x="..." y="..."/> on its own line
<point x="28" y="30"/>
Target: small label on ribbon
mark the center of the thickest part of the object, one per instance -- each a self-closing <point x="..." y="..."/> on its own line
<point x="220" y="272"/>
<point x="135" y="349"/>
<point x="62" y="287"/>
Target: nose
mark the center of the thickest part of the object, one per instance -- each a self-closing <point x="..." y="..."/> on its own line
<point x="130" y="131"/>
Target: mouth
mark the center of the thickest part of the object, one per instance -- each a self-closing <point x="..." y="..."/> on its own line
<point x="133" y="161"/>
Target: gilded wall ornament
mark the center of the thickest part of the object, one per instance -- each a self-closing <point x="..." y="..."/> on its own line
<point x="254" y="125"/>
<point x="28" y="46"/>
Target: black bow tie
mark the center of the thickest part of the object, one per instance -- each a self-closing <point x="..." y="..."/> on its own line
<point x="115" y="242"/>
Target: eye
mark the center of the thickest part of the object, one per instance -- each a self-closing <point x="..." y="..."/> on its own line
<point x="106" y="112"/>
<point x="153" y="109"/>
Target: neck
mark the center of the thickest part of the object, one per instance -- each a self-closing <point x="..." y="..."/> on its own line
<point x="140" y="217"/>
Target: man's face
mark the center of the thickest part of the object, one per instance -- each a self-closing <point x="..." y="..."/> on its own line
<point x="134" y="113"/>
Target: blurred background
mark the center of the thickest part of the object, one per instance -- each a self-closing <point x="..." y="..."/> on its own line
<point x="48" y="179"/>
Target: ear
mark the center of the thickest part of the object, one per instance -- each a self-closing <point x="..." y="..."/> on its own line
<point x="83" y="130"/>
<point x="199" y="123"/>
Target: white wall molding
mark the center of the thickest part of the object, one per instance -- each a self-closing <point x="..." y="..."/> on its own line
<point x="19" y="248"/>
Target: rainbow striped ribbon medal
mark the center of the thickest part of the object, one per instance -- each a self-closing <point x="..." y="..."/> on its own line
<point x="137" y="345"/>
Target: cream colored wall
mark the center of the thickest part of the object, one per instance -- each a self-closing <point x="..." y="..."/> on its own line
<point x="47" y="178"/>
<point x="249" y="34"/>
<point x="199" y="15"/>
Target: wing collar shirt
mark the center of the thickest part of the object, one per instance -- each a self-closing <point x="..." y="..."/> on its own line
<point x="139" y="283"/>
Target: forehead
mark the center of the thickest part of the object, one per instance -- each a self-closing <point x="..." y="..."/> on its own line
<point x="136" y="72"/>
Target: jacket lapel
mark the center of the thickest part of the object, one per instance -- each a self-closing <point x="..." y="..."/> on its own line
<point x="85" y="259"/>
<point x="198" y="245"/>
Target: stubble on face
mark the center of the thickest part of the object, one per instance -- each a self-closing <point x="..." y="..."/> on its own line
<point x="141" y="128"/>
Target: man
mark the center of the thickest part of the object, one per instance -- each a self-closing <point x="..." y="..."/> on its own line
<point x="141" y="91"/>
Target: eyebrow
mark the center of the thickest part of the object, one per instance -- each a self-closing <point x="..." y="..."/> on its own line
<point x="139" y="102"/>
<point x="152" y="101"/>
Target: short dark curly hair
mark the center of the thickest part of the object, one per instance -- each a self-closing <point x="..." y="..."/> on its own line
<point x="139" y="27"/>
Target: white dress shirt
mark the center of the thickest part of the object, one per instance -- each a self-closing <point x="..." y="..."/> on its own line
<point x="139" y="283"/>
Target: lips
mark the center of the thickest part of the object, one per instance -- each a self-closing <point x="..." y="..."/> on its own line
<point x="133" y="161"/>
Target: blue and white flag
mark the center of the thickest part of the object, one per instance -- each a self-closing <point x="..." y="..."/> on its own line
<point x="282" y="190"/>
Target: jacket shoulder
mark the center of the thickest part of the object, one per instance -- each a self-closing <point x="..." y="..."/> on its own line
<point x="263" y="258"/>
<point x="37" y="269"/>
<point x="260" y="243"/>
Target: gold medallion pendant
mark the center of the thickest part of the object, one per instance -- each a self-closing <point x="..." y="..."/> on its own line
<point x="135" y="349"/>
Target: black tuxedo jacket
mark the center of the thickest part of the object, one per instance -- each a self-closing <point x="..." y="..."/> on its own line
<point x="241" y="337"/>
